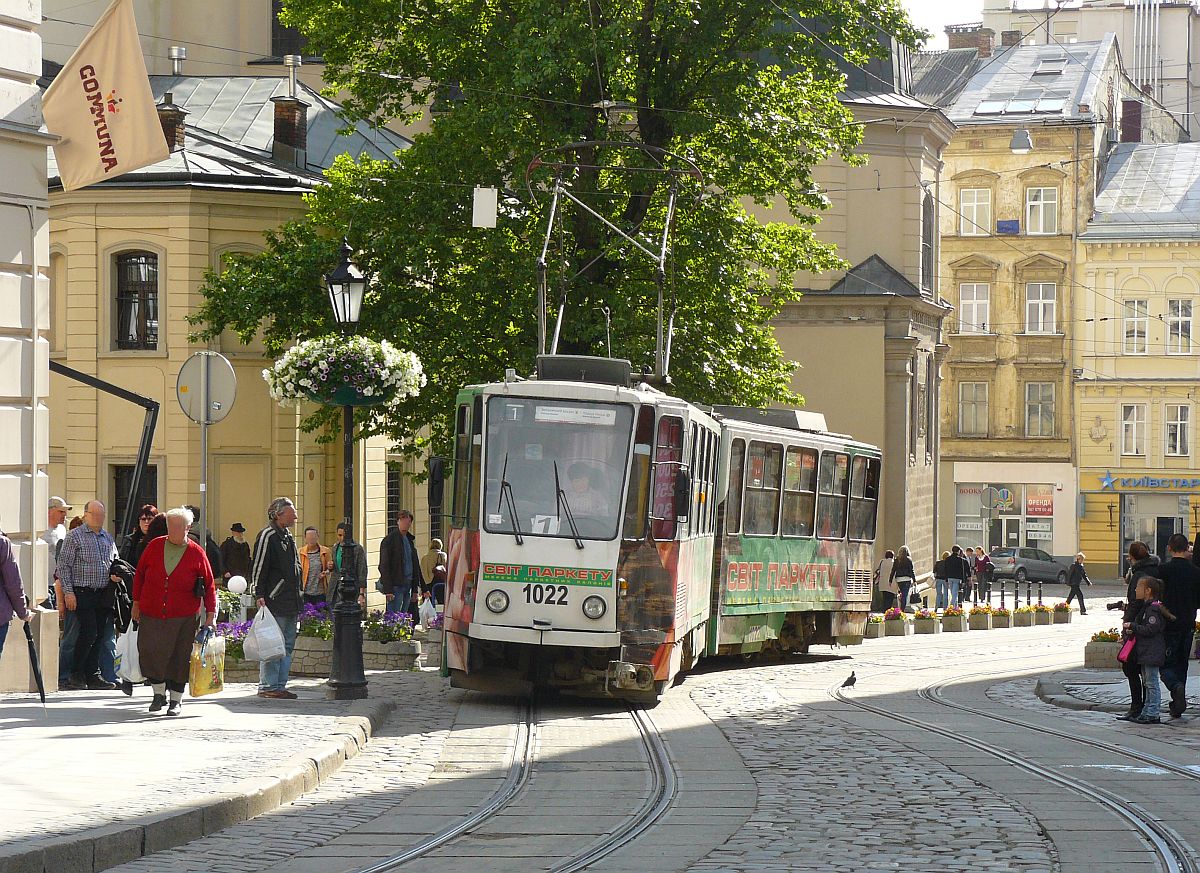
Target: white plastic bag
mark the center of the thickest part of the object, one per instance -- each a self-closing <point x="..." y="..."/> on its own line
<point x="427" y="612"/>
<point x="127" y="662"/>
<point x="264" y="640"/>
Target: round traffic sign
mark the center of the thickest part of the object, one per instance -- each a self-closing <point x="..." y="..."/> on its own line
<point x="221" y="388"/>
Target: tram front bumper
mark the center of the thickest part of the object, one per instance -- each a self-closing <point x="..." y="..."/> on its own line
<point x="535" y="637"/>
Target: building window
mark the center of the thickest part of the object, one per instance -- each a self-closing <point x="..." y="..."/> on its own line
<point x="137" y="301"/>
<point x="1039" y="307"/>
<point x="1133" y="429"/>
<point x="1041" y="210"/>
<point x="1137" y="322"/>
<point x="284" y="40"/>
<point x="1178" y="438"/>
<point x="913" y="414"/>
<point x="975" y="211"/>
<point x="974" y="303"/>
<point x="122" y="478"/>
<point x="1039" y="409"/>
<point x="972" y="408"/>
<point x="1179" y="327"/>
<point x="928" y="237"/>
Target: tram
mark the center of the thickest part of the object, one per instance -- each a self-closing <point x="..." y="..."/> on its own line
<point x="605" y="536"/>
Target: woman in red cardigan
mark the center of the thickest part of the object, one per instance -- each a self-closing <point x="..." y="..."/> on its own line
<point x="174" y="582"/>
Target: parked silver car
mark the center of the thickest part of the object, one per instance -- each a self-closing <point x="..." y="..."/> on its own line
<point x="1028" y="564"/>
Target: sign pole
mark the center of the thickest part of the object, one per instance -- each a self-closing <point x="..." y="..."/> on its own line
<point x="205" y="417"/>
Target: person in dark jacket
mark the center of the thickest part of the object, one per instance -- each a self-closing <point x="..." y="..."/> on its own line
<point x="939" y="579"/>
<point x="1076" y="577"/>
<point x="985" y="570"/>
<point x="904" y="575"/>
<point x="1181" y="596"/>
<point x="135" y="541"/>
<point x="400" y="565"/>
<point x="211" y="550"/>
<point x="348" y="554"/>
<point x="1149" y="649"/>
<point x="275" y="576"/>
<point x="958" y="576"/>
<point x="235" y="553"/>
<point x="13" y="603"/>
<point x="1141" y="563"/>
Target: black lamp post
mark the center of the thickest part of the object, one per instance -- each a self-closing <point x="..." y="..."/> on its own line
<point x="347" y="285"/>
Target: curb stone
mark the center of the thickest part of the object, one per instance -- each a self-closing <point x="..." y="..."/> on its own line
<point x="1055" y="693"/>
<point x="100" y="848"/>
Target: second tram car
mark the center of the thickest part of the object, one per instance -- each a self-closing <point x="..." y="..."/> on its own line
<point x="605" y="536"/>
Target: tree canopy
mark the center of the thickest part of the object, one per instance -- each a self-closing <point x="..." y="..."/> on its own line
<point x="747" y="89"/>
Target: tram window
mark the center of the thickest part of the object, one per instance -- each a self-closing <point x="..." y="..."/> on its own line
<point x="864" y="498"/>
<point x="733" y="499"/>
<point x="634" y="525"/>
<point x="762" y="489"/>
<point x="668" y="454"/>
<point x="834" y="483"/>
<point x="462" y="464"/>
<point x="693" y="522"/>
<point x="799" y="492"/>
<point x="476" y="464"/>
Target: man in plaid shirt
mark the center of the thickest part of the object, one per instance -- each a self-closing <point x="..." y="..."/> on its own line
<point x="83" y="566"/>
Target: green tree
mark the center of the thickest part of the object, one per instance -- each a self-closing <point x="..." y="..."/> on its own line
<point x="747" y="89"/>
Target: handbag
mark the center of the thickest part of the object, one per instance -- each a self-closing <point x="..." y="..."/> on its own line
<point x="1126" y="651"/>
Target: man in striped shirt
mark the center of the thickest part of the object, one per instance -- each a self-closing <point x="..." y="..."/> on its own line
<point x="275" y="576"/>
<point x="83" y="567"/>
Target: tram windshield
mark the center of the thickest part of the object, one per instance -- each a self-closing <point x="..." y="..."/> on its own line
<point x="555" y="468"/>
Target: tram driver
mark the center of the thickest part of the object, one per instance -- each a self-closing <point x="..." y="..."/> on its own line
<point x="585" y="498"/>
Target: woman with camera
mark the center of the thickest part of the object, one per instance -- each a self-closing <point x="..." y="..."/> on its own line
<point x="173" y="585"/>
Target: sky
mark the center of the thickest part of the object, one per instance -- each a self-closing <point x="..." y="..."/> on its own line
<point x="934" y="15"/>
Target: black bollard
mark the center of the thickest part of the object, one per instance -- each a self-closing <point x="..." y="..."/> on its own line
<point x="1001" y="594"/>
<point x="1039" y="592"/>
<point x="346" y="678"/>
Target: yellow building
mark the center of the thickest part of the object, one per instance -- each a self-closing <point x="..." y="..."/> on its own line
<point x="1009" y="260"/>
<point x="127" y="259"/>
<point x="1136" y="355"/>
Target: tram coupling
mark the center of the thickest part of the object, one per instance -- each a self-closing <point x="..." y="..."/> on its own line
<point x="628" y="677"/>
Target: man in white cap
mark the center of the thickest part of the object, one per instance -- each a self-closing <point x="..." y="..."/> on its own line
<point x="55" y="533"/>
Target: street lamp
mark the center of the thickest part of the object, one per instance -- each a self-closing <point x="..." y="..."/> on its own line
<point x="347" y="285"/>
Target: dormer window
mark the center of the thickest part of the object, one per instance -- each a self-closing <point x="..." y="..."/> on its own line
<point x="1052" y="66"/>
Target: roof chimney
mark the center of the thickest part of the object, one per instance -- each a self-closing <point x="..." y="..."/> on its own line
<point x="292" y="62"/>
<point x="171" y="118"/>
<point x="1010" y="38"/>
<point x="290" y="144"/>
<point x="177" y="54"/>
<point x="985" y="41"/>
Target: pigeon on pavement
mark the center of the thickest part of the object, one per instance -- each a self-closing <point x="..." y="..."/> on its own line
<point x="850" y="680"/>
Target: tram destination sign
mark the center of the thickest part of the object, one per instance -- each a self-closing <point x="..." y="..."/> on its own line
<point x="522" y="573"/>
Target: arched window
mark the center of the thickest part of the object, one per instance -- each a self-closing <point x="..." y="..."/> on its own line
<point x="928" y="229"/>
<point x="137" y="301"/>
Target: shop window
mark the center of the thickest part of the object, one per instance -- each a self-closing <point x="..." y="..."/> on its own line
<point x="1179" y="420"/>
<point x="1133" y="429"/>
<point x="799" y="492"/>
<point x="136" y="301"/>
<point x="864" y="498"/>
<point x="763" y="479"/>
<point x="975" y="211"/>
<point x="972" y="408"/>
<point x="1136" y="326"/>
<point x="1040" y="300"/>
<point x="1039" y="409"/>
<point x="1179" y="327"/>
<point x="974" y="307"/>
<point x="733" y="502"/>
<point x="833" y="490"/>
<point x="1041" y="211"/>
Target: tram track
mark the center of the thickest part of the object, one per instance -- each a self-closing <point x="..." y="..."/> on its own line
<point x="1171" y="851"/>
<point x="521" y="766"/>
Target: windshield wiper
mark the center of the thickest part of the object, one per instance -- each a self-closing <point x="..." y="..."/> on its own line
<point x="563" y="505"/>
<point x="506" y="497"/>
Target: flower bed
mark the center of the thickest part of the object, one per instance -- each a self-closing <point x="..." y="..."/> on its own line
<point x="1062" y="613"/>
<point x="927" y="622"/>
<point x="896" y="623"/>
<point x="954" y="620"/>
<point x="1101" y="651"/>
<point x="874" y="629"/>
<point x="1001" y="618"/>
<point x="980" y="618"/>
<point x="345" y="371"/>
<point x="1023" y="616"/>
<point x="1042" y="614"/>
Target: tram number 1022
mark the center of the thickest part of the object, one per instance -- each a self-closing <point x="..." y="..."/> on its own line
<point x="550" y="595"/>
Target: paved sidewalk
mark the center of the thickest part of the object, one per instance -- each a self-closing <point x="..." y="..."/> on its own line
<point x="1098" y="690"/>
<point x="100" y="781"/>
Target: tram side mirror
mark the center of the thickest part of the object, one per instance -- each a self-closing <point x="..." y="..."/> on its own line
<point x="683" y="494"/>
<point x="437" y="480"/>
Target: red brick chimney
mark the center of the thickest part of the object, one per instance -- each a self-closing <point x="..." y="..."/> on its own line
<point x="976" y="36"/>
<point x="290" y="144"/>
<point x="1010" y="38"/>
<point x="171" y="118"/>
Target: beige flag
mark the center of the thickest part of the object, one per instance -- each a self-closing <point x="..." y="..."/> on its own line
<point x="102" y="107"/>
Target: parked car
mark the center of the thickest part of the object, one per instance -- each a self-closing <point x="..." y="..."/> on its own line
<point x="1028" y="564"/>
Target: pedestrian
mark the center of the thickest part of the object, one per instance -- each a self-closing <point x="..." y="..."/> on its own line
<point x="235" y="552"/>
<point x="1141" y="563"/>
<point x="1149" y="648"/>
<point x="211" y="550"/>
<point x="53" y="536"/>
<point x="1076" y="576"/>
<point x="939" y="580"/>
<point x="135" y="541"/>
<point x="1181" y="595"/>
<point x="12" y="594"/>
<point x="172" y="587"/>
<point x="400" y="565"/>
<point x="958" y="576"/>
<point x="347" y="553"/>
<point x="985" y="571"/>
<point x="904" y="575"/>
<point x="83" y="566"/>
<point x="885" y="583"/>
<point x="433" y="571"/>
<point x="275" y="573"/>
<point x="315" y="564"/>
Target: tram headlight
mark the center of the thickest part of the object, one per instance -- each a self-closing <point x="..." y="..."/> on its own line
<point x="594" y="607"/>
<point x="496" y="601"/>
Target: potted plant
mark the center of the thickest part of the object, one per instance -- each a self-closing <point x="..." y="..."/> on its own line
<point x="313" y="654"/>
<point x="1043" y="614"/>
<point x="1023" y="616"/>
<point x="926" y="622"/>
<point x="229" y="605"/>
<point x="954" y="620"/>
<point x="1062" y="613"/>
<point x="388" y="642"/>
<point x="237" y="668"/>
<point x="896" y="623"/>
<point x="345" y="371"/>
<point x="980" y="617"/>
<point x="874" y="626"/>
<point x="1001" y="617"/>
<point x="1100" y="652"/>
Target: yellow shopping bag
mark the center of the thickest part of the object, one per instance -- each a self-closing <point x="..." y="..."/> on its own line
<point x="207" y="674"/>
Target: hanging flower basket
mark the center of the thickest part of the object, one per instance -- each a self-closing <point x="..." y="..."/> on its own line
<point x="345" y="371"/>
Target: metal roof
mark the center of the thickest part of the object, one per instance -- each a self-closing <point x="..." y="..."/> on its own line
<point x="1150" y="191"/>
<point x="939" y="77"/>
<point x="876" y="276"/>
